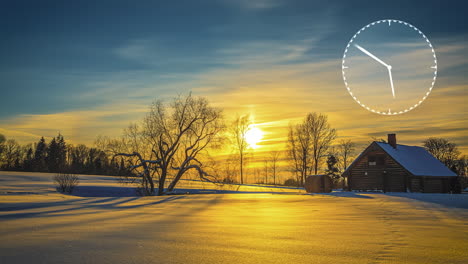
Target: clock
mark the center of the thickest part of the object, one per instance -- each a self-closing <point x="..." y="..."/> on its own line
<point x="389" y="67"/>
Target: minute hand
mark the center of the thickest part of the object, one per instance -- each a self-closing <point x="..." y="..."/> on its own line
<point x="371" y="55"/>
<point x="391" y="80"/>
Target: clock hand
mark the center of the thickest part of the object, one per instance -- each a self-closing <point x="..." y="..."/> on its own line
<point x="389" y="67"/>
<point x="371" y="55"/>
<point x="391" y="79"/>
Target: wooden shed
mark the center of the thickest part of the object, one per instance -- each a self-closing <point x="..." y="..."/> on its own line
<point x="318" y="184"/>
<point x="391" y="167"/>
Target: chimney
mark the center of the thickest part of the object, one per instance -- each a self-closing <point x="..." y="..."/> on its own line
<point x="392" y="140"/>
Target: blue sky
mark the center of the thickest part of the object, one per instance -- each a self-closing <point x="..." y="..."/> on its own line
<point x="67" y="60"/>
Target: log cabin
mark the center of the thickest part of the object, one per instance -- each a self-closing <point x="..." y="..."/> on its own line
<point x="391" y="167"/>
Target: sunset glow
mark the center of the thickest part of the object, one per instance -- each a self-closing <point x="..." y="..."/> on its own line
<point x="253" y="136"/>
<point x="233" y="131"/>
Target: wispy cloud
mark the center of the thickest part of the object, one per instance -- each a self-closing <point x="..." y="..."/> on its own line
<point x="254" y="4"/>
<point x="277" y="82"/>
<point x="81" y="126"/>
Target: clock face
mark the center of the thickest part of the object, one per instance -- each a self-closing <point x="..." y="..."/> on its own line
<point x="389" y="67"/>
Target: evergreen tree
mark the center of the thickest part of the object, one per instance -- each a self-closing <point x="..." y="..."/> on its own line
<point x="40" y="155"/>
<point x="52" y="156"/>
<point x="28" y="160"/>
<point x="332" y="169"/>
<point x="57" y="154"/>
<point x="17" y="166"/>
<point x="61" y="153"/>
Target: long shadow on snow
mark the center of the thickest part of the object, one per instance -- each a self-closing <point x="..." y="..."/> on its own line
<point x="346" y="195"/>
<point x="95" y="204"/>
<point x="443" y="199"/>
<point x="104" y="191"/>
<point x="80" y="221"/>
<point x="215" y="191"/>
<point x="26" y="206"/>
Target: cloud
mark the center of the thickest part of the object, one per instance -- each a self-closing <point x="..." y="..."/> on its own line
<point x="254" y="53"/>
<point x="281" y="93"/>
<point x="254" y="5"/>
<point x="277" y="82"/>
<point x="82" y="126"/>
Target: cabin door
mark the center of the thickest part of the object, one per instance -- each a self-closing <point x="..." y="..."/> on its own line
<point x="393" y="182"/>
<point x="385" y="181"/>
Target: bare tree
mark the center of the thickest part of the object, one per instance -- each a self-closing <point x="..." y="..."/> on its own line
<point x="134" y="145"/>
<point x="239" y="129"/>
<point x="204" y="132"/>
<point x="11" y="153"/>
<point x="274" y="157"/>
<point x="2" y="142"/>
<point x="230" y="169"/>
<point x="461" y="168"/>
<point x="172" y="137"/>
<point x="295" y="153"/>
<point x="265" y="170"/>
<point x="444" y="150"/>
<point x="2" y="147"/>
<point x="308" y="143"/>
<point x="225" y="169"/>
<point x="322" y="136"/>
<point x="345" y="151"/>
<point x="257" y="175"/>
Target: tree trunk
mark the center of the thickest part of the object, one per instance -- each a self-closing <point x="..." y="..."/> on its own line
<point x="150" y="180"/>
<point x="161" y="182"/>
<point x="274" y="176"/>
<point x="316" y="166"/>
<point x="175" y="181"/>
<point x="304" y="170"/>
<point x="242" y="168"/>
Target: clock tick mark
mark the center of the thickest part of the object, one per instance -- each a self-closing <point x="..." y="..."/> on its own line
<point x="434" y="67"/>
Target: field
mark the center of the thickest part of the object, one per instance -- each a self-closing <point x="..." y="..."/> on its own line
<point x="104" y="222"/>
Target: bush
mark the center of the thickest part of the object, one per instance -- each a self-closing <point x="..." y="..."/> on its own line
<point x="228" y="180"/>
<point x="291" y="182"/>
<point x="65" y="182"/>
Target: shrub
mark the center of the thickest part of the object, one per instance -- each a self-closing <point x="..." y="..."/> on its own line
<point x="228" y="180"/>
<point x="65" y="182"/>
<point x="291" y="182"/>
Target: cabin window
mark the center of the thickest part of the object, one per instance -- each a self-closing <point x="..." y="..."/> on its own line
<point x="372" y="160"/>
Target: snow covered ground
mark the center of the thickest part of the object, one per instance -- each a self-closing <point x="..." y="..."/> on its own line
<point x="104" y="222"/>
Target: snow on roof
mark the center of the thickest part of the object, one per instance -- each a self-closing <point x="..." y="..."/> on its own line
<point x="417" y="160"/>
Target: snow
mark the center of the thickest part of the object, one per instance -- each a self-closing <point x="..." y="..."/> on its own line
<point x="107" y="186"/>
<point x="417" y="160"/>
<point x="278" y="225"/>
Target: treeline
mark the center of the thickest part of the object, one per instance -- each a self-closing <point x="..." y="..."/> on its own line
<point x="177" y="138"/>
<point x="58" y="156"/>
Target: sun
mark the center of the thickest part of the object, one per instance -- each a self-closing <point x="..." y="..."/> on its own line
<point x="253" y="136"/>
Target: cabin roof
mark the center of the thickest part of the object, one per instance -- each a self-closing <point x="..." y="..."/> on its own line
<point x="417" y="160"/>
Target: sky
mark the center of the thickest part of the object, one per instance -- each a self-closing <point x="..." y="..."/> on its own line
<point x="89" y="68"/>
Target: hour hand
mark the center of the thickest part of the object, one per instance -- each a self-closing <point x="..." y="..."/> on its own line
<point x="389" y="67"/>
<point x="371" y="55"/>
